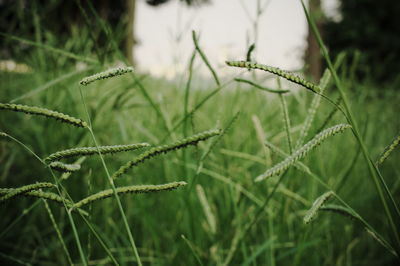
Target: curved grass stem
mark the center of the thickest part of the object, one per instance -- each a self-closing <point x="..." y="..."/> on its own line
<point x="378" y="180"/>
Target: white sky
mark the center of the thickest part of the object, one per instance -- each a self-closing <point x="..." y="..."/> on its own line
<point x="225" y="32"/>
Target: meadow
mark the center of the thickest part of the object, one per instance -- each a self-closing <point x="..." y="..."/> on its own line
<point x="224" y="170"/>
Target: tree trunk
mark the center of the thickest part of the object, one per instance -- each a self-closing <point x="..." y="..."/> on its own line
<point x="313" y="57"/>
<point x="130" y="38"/>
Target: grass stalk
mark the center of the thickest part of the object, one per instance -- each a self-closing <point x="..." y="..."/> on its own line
<point x="58" y="188"/>
<point x="204" y="57"/>
<point x="111" y="181"/>
<point x="378" y="180"/>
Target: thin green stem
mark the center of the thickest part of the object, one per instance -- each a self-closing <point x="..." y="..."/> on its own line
<point x="111" y="181"/>
<point x="58" y="185"/>
<point x="378" y="180"/>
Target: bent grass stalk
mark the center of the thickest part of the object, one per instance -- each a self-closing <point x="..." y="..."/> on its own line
<point x="250" y="51"/>
<point x="378" y="180"/>
<point x="279" y="72"/>
<point x="303" y="151"/>
<point x="257" y="86"/>
<point x="34" y="110"/>
<point x="204" y="57"/>
<point x="86" y="151"/>
<point x="193" y="140"/>
<point x="128" y="189"/>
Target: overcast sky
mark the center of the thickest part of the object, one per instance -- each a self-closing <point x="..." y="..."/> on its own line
<point x="225" y="28"/>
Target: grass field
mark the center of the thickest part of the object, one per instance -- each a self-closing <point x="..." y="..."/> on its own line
<point x="222" y="216"/>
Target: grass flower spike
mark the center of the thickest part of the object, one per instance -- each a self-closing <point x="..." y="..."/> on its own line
<point x="303" y="151"/>
<point x="129" y="189"/>
<point x="106" y="74"/>
<point x="86" y="151"/>
<point x="34" y="110"/>
<point x="193" y="140"/>
<point x="279" y="72"/>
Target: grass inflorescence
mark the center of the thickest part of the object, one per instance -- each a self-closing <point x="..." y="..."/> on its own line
<point x="21" y="190"/>
<point x="388" y="150"/>
<point x="106" y="74"/>
<point x="37" y="194"/>
<point x="312" y="212"/>
<point x="303" y="151"/>
<point x="86" y="151"/>
<point x="34" y="110"/>
<point x="193" y="140"/>
<point x="64" y="167"/>
<point x="128" y="189"/>
<point x="279" y="72"/>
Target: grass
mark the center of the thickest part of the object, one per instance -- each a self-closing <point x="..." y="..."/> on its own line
<point x="222" y="217"/>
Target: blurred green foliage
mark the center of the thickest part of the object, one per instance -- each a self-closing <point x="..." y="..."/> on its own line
<point x="372" y="28"/>
<point x="60" y="24"/>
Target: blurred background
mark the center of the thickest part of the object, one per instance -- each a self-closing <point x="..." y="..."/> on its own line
<point x="156" y="35"/>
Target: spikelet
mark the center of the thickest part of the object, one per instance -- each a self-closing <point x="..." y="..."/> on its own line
<point x="128" y="189"/>
<point x="86" y="151"/>
<point x="303" y="151"/>
<point x="34" y="110"/>
<point x="312" y="212"/>
<point x="63" y="167"/>
<point x="38" y="194"/>
<point x="24" y="189"/>
<point x="388" y="150"/>
<point x="313" y="108"/>
<point x="212" y="222"/>
<point x="193" y="140"/>
<point x="279" y="72"/>
<point x="106" y="74"/>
